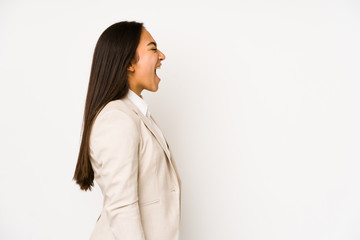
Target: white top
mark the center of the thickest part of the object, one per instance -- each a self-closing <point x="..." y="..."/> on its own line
<point x="142" y="105"/>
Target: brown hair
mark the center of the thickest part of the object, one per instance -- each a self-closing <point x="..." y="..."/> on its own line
<point x="114" y="52"/>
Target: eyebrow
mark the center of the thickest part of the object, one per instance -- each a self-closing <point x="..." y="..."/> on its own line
<point x="154" y="43"/>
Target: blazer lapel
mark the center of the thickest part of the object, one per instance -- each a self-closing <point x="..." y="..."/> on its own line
<point x="154" y="132"/>
<point x="171" y="159"/>
<point x="148" y="125"/>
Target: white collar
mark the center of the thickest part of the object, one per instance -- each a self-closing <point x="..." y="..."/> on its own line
<point x="138" y="101"/>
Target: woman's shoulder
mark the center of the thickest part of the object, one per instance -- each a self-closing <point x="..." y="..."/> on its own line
<point x="114" y="122"/>
<point x="118" y="104"/>
<point x="118" y="107"/>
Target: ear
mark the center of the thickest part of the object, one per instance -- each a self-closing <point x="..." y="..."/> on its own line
<point x="131" y="68"/>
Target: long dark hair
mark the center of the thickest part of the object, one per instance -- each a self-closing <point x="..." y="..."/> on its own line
<point x="115" y="51"/>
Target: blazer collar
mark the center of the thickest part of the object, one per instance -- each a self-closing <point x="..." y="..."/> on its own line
<point x="153" y="131"/>
<point x="139" y="101"/>
<point x="148" y="124"/>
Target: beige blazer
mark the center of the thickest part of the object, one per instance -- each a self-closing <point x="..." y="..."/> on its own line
<point x="138" y="179"/>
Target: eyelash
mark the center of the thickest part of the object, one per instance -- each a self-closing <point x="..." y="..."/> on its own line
<point x="154" y="49"/>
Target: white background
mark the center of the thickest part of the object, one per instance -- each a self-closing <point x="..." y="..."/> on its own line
<point x="258" y="99"/>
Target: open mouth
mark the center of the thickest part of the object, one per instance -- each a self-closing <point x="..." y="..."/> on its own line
<point x="156" y="73"/>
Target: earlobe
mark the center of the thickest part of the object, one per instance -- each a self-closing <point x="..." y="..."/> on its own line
<point x="131" y="68"/>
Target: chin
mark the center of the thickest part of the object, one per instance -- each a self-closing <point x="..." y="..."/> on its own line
<point x="153" y="89"/>
<point x="156" y="87"/>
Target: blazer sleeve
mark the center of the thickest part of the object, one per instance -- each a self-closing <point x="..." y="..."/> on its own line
<point x="115" y="141"/>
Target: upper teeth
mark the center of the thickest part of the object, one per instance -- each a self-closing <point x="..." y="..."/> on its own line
<point x="158" y="67"/>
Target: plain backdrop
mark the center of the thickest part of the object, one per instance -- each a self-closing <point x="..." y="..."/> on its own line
<point x="259" y="101"/>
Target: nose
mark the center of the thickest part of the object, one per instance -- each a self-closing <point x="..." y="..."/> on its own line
<point x="161" y="55"/>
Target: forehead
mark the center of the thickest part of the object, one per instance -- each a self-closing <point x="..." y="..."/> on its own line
<point x="146" y="38"/>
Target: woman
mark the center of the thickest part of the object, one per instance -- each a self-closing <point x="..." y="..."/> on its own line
<point x="122" y="147"/>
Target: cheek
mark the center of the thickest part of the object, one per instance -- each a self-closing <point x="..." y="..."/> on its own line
<point x="147" y="66"/>
<point x="149" y="69"/>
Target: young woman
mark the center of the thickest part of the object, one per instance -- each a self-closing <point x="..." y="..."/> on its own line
<point x="122" y="146"/>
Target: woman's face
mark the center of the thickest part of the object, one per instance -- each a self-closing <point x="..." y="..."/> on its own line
<point x="142" y="75"/>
